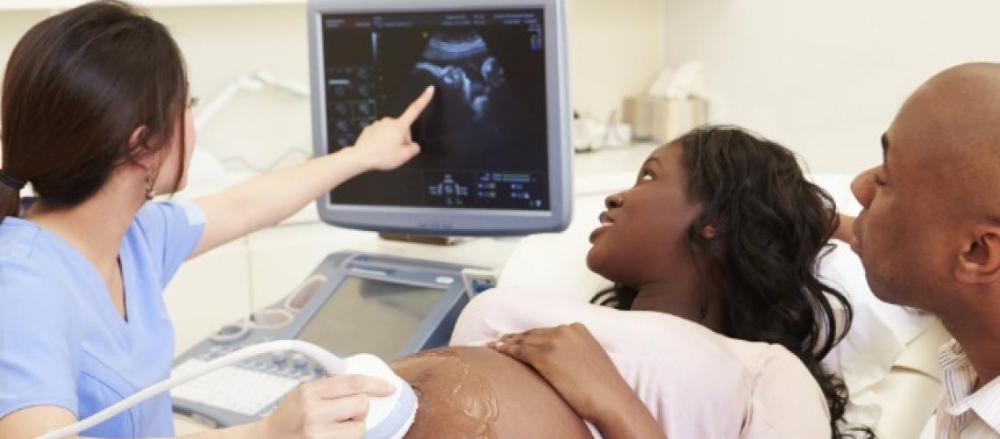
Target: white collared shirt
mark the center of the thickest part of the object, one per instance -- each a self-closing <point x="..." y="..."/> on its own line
<point x="963" y="414"/>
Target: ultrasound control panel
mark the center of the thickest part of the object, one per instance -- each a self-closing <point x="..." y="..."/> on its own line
<point x="351" y="303"/>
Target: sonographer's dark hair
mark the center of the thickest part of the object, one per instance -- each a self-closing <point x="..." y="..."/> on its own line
<point x="77" y="85"/>
<point x="771" y="227"/>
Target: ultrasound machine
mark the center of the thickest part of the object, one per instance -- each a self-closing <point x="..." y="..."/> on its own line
<point x="495" y="161"/>
<point x="494" y="157"/>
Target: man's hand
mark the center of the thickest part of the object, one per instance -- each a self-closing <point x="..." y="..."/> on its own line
<point x="845" y="230"/>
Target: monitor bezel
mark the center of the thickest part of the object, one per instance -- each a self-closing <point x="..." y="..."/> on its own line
<point x="443" y="220"/>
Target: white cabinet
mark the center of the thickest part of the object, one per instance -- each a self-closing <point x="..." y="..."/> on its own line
<point x="282" y="257"/>
<point x="207" y="292"/>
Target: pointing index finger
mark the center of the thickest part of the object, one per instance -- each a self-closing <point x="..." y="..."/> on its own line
<point x="413" y="111"/>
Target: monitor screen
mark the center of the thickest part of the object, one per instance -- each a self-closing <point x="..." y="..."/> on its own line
<point x="483" y="138"/>
<point x="373" y="316"/>
<point x="494" y="140"/>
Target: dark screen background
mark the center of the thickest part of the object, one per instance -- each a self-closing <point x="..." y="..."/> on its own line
<point x="483" y="137"/>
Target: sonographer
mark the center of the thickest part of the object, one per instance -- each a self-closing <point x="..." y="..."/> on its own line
<point x="96" y="117"/>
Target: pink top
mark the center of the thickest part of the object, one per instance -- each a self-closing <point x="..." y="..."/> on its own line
<point x="695" y="382"/>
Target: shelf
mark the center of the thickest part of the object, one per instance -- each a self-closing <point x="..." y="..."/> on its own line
<point x="42" y="5"/>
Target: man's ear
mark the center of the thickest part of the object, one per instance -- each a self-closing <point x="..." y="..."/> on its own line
<point x="979" y="262"/>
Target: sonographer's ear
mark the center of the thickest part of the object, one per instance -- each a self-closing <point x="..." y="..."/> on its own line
<point x="139" y="137"/>
<point x="143" y="150"/>
<point x="140" y="143"/>
<point x="979" y="263"/>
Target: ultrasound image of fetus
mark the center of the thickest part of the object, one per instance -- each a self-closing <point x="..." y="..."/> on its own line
<point x="463" y="65"/>
<point x="475" y="110"/>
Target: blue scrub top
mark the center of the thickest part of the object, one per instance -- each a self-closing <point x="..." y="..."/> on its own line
<point x="61" y="341"/>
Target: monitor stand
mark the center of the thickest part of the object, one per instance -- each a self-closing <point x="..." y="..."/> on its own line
<point x="422" y="239"/>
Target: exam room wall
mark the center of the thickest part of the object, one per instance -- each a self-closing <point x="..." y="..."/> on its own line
<point x="825" y="78"/>
<point x="616" y="48"/>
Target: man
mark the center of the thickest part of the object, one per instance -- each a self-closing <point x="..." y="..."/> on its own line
<point x="929" y="234"/>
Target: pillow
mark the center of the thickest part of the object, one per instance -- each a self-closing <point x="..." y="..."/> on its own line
<point x="556" y="263"/>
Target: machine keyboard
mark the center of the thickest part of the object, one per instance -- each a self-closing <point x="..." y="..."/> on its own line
<point x="237" y="389"/>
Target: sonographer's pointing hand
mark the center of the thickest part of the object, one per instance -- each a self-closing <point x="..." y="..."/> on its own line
<point x="386" y="144"/>
<point x="331" y="408"/>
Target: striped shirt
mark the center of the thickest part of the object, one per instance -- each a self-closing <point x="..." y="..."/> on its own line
<point x="964" y="414"/>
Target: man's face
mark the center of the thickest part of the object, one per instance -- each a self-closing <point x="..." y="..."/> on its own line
<point x="898" y="235"/>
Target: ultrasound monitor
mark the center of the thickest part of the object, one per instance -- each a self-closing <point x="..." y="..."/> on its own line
<point x="495" y="148"/>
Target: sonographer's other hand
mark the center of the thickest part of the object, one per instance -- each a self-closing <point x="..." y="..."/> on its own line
<point x="329" y="408"/>
<point x="386" y="144"/>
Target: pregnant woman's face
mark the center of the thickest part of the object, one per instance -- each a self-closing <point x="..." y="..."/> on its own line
<point x="643" y="234"/>
<point x="470" y="392"/>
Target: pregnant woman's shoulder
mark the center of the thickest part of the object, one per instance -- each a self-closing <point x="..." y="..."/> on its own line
<point x="501" y="311"/>
<point x="641" y="342"/>
<point x="786" y="400"/>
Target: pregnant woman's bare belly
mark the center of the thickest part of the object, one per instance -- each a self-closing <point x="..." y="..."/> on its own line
<point x="473" y="392"/>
